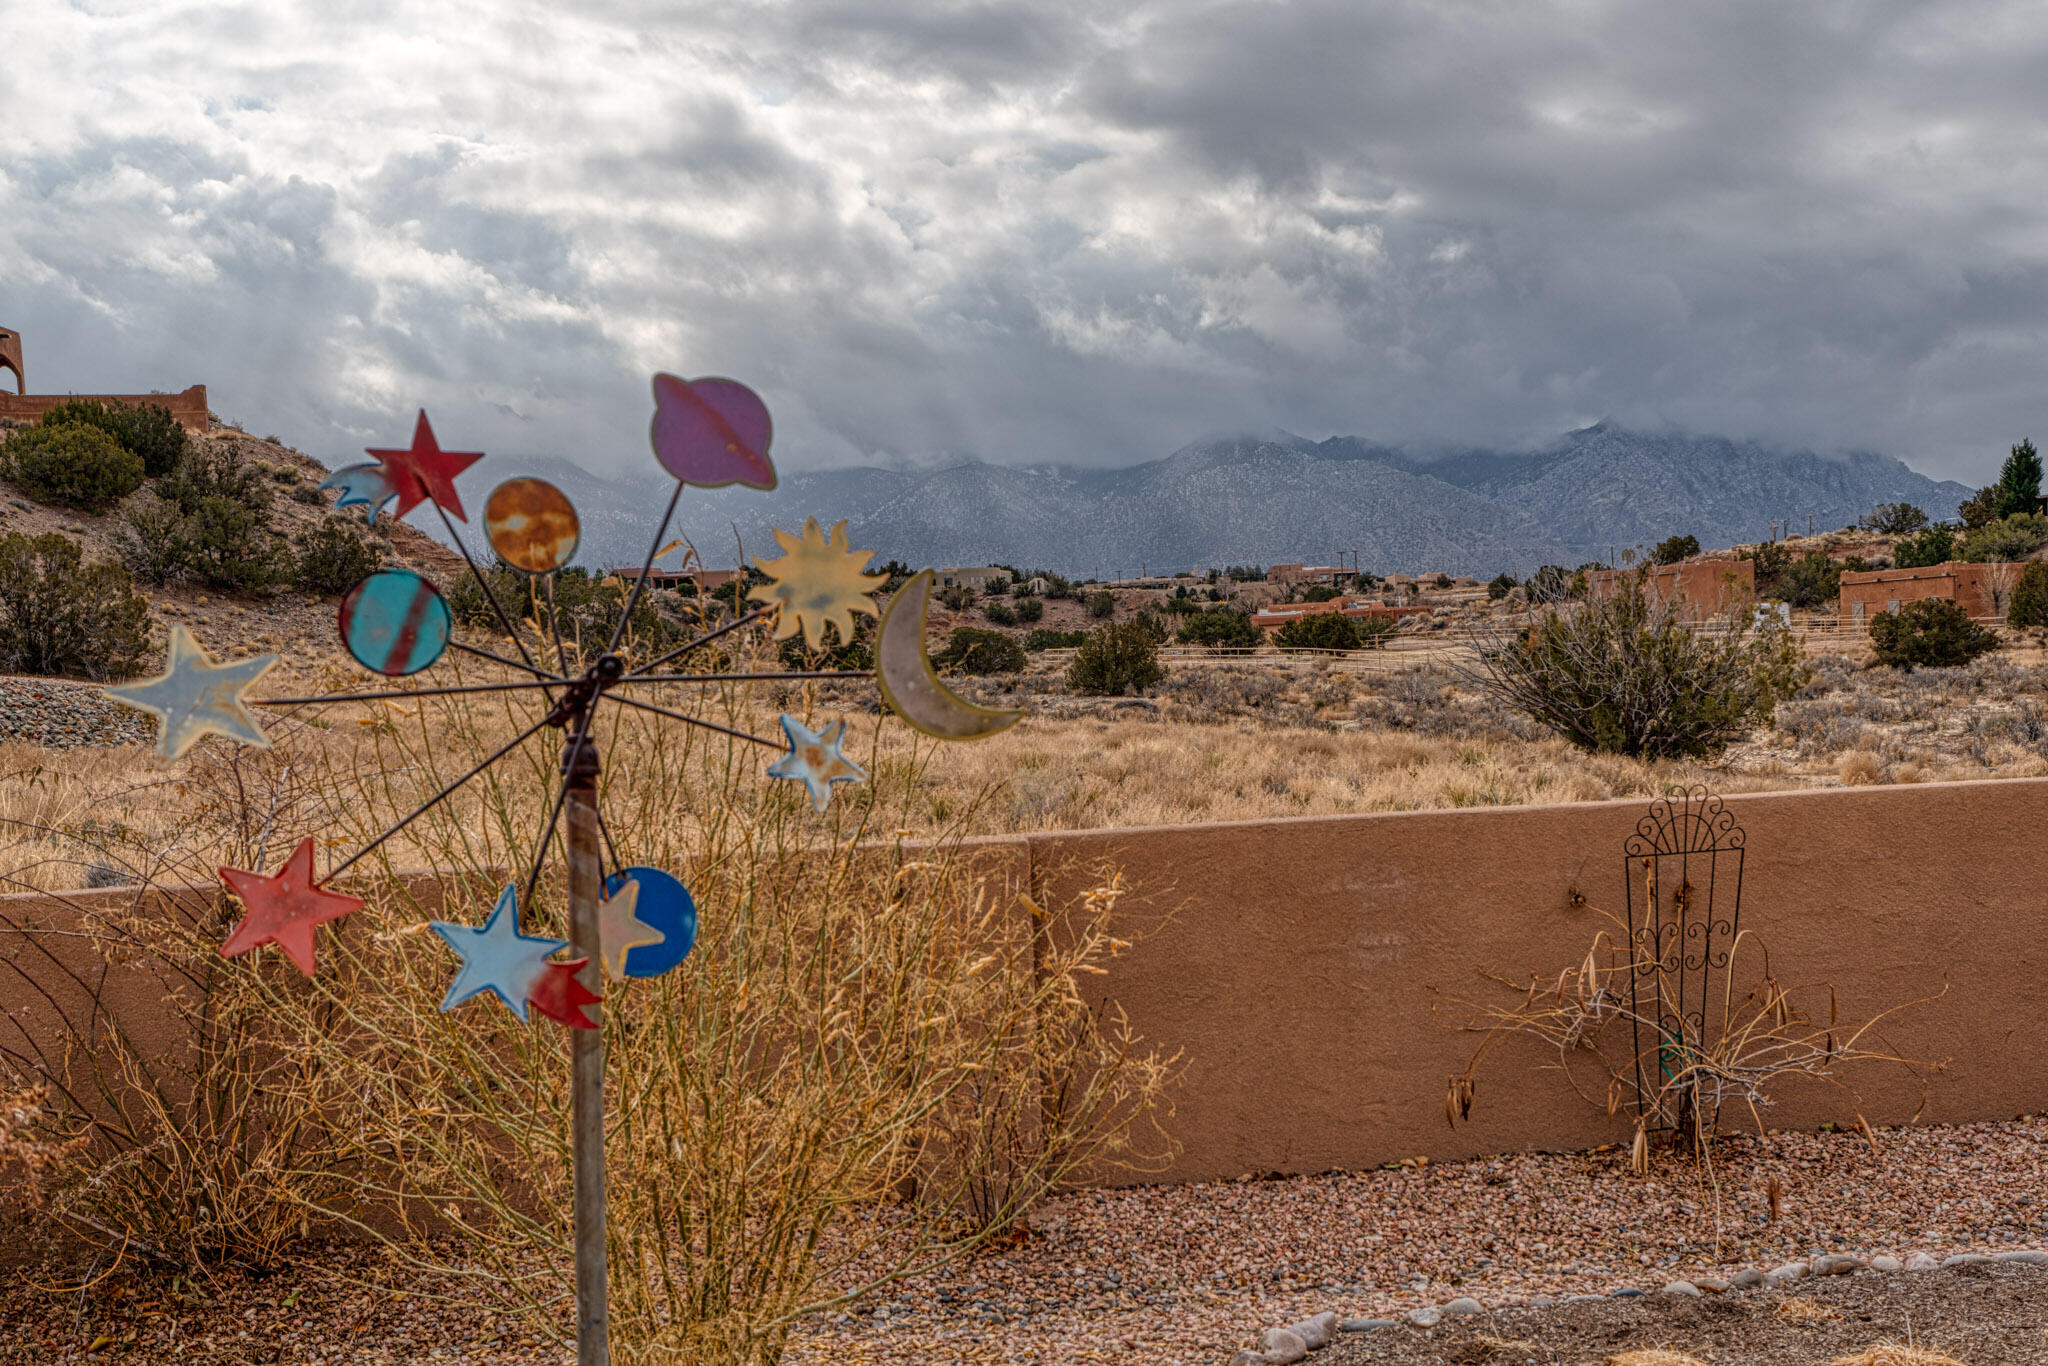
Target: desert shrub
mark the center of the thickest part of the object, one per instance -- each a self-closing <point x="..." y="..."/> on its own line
<point x="59" y="615"/>
<point x="957" y="596"/>
<point x="1932" y="633"/>
<point x="1180" y="605"/>
<point x="2029" y="606"/>
<point x="1812" y="580"/>
<point x="1672" y="549"/>
<point x="232" y="549"/>
<point x="215" y="470"/>
<point x="147" y="431"/>
<point x="997" y="588"/>
<point x="77" y="466"/>
<point x="1101" y="604"/>
<point x="1375" y="631"/>
<point x="1980" y="508"/>
<point x="1049" y="638"/>
<point x="1029" y="610"/>
<point x="154" y="541"/>
<point x="1001" y="613"/>
<point x="333" y="558"/>
<point x="973" y="650"/>
<point x="1551" y="583"/>
<point x="1319" y="592"/>
<point x="1115" y="660"/>
<point x="1319" y="631"/>
<point x="1441" y="581"/>
<point x="832" y="653"/>
<point x="2009" y="538"/>
<point x="1894" y="519"/>
<point x="1627" y="675"/>
<point x="1221" y="629"/>
<point x="1500" y="586"/>
<point x="1935" y="545"/>
<point x="1153" y="624"/>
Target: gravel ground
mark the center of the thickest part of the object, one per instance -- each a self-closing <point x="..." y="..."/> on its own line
<point x="55" y="715"/>
<point x="1188" y="1274"/>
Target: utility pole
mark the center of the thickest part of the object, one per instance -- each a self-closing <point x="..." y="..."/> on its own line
<point x="1809" y="524"/>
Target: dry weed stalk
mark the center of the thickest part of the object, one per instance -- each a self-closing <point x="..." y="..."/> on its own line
<point x="875" y="1059"/>
<point x="1591" y="1014"/>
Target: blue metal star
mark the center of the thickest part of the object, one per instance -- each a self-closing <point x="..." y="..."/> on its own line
<point x="195" y="696"/>
<point x="815" y="761"/>
<point x="370" y="485"/>
<point x="496" y="957"/>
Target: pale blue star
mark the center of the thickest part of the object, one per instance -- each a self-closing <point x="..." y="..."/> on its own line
<point x="815" y="761"/>
<point x="496" y="957"/>
<point x="196" y="696"/>
<point x="369" y="485"/>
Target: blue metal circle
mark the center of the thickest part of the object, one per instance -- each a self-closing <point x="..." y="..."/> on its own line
<point x="395" y="622"/>
<point x="664" y="904"/>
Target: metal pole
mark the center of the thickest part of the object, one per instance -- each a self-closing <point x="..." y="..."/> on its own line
<point x="586" y="1047"/>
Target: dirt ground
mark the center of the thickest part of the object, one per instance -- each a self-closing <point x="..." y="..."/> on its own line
<point x="1979" y="1315"/>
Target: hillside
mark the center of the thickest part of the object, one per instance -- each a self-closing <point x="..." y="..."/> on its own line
<point x="300" y="627"/>
<point x="1281" y="498"/>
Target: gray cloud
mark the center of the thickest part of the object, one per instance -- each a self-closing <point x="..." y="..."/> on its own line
<point x="1041" y="231"/>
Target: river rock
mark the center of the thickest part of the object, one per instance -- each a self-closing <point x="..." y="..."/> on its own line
<point x="1683" y="1288"/>
<point x="1886" y="1264"/>
<point x="1837" y="1264"/>
<point x="1366" y="1325"/>
<point x="1315" y="1332"/>
<point x="1429" y="1316"/>
<point x="1920" y="1261"/>
<point x="1464" y="1306"/>
<point x="1279" y="1346"/>
<point x="1713" y="1285"/>
<point x="2029" y="1257"/>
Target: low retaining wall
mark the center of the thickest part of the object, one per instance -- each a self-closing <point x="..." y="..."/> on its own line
<point x="1309" y="971"/>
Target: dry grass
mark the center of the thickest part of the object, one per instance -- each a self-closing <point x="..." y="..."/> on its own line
<point x="1798" y="1309"/>
<point x="1654" y="1356"/>
<point x="1217" y="742"/>
<point x="1896" y="1354"/>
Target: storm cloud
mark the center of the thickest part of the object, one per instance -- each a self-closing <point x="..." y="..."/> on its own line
<point x="1043" y="231"/>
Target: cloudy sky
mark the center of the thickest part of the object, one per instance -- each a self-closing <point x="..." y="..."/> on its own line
<point x="1027" y="230"/>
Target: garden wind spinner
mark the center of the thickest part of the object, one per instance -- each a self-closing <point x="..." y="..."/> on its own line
<point x="636" y="921"/>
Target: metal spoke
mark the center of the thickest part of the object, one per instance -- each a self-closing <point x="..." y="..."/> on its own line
<point x="646" y="568"/>
<point x="692" y="720"/>
<point x="746" y="678"/>
<point x="508" y="663"/>
<point x="436" y="799"/>
<point x="705" y="639"/>
<point x="405" y="693"/>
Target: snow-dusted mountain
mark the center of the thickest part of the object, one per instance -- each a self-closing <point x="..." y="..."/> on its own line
<point x="1282" y="498"/>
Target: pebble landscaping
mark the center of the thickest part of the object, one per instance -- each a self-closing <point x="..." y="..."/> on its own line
<point x="38" y="711"/>
<point x="1190" y="1275"/>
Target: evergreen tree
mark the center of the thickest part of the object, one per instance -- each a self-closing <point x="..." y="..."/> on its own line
<point x="2019" y="481"/>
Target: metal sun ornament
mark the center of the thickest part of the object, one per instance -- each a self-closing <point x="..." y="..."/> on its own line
<point x="637" y="922"/>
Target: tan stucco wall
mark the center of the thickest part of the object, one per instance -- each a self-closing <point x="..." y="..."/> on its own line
<point x="188" y="406"/>
<point x="1308" y="970"/>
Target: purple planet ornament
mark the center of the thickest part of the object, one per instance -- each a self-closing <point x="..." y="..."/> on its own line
<point x="711" y="432"/>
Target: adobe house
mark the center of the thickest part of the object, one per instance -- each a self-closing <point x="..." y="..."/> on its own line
<point x="1980" y="589"/>
<point x="1267" y="618"/>
<point x="977" y="579"/>
<point x="1702" y="588"/>
<point x="188" y="407"/>
<point x="1306" y="573"/>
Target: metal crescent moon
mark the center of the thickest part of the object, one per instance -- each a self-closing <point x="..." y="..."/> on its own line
<point x="909" y="685"/>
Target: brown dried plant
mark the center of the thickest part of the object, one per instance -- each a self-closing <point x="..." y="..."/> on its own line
<point x="1600" y="1018"/>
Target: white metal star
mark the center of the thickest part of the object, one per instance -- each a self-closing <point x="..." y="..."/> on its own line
<point x="620" y="929"/>
<point x="815" y="761"/>
<point x="196" y="697"/>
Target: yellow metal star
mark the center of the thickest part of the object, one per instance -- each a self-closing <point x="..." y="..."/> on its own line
<point x="620" y="929"/>
<point x="195" y="696"/>
<point x="818" y="582"/>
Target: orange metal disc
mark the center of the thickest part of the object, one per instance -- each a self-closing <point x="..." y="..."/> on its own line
<point x="531" y="525"/>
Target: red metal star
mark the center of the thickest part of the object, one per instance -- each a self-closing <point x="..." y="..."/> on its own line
<point x="561" y="997"/>
<point x="425" y="471"/>
<point x="285" y="909"/>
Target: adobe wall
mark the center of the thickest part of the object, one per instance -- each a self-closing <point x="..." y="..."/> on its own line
<point x="188" y="406"/>
<point x="1708" y="587"/>
<point x="1957" y="581"/>
<point x="1309" y="971"/>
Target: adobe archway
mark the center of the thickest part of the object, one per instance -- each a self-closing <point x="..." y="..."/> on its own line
<point x="10" y="358"/>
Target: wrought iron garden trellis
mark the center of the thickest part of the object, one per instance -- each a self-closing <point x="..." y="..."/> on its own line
<point x="1683" y="920"/>
<point x="706" y="432"/>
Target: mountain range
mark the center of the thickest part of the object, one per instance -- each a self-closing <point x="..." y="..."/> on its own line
<point x="1280" y="498"/>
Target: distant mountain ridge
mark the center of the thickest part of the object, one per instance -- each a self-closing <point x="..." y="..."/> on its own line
<point x="1280" y="498"/>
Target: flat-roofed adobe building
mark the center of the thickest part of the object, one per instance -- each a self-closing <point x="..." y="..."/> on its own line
<point x="1976" y="588"/>
<point x="1698" y="588"/>
<point x="975" y="578"/>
